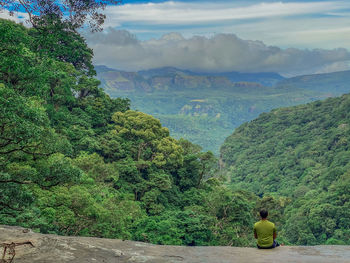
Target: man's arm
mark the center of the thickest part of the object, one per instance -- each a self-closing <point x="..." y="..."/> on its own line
<point x="255" y="234"/>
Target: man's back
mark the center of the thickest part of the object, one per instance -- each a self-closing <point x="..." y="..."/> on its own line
<point x="265" y="230"/>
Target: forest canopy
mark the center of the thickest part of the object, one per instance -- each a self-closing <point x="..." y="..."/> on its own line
<point x="73" y="161"/>
<point x="300" y="154"/>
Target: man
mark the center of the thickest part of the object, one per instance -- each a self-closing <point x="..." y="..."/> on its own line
<point x="265" y="232"/>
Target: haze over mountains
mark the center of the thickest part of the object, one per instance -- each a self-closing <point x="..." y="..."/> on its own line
<point x="206" y="107"/>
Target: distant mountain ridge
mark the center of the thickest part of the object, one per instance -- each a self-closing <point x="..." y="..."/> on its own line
<point x="263" y="78"/>
<point x="335" y="83"/>
<point x="203" y="108"/>
<point x="166" y="79"/>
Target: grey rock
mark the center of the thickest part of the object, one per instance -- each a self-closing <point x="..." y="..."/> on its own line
<point x="53" y="248"/>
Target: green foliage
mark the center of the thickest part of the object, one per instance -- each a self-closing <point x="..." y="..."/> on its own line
<point x="55" y="39"/>
<point x="176" y="228"/>
<point x="74" y="161"/>
<point x="149" y="143"/>
<point x="26" y="140"/>
<point x="300" y="156"/>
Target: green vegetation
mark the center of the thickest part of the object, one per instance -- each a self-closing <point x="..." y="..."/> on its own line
<point x="73" y="161"/>
<point x="300" y="154"/>
<point x="203" y="109"/>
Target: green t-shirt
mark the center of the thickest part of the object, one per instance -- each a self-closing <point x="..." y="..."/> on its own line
<point x="264" y="229"/>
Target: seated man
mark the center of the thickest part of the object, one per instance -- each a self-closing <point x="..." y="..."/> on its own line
<point x="265" y="232"/>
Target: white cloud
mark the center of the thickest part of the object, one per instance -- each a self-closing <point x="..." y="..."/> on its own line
<point x="303" y="33"/>
<point x="222" y="52"/>
<point x="206" y="12"/>
<point x="322" y="24"/>
<point x="18" y="17"/>
<point x="336" y="66"/>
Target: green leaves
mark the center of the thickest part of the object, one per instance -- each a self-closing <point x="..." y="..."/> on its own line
<point x="23" y="122"/>
<point x="145" y="139"/>
<point x="175" y="228"/>
<point x="95" y="167"/>
<point x="55" y="170"/>
<point x="55" y="39"/>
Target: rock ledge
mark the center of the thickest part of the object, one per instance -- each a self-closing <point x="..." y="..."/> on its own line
<point x="53" y="249"/>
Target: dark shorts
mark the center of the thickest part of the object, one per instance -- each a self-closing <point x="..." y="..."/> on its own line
<point x="275" y="244"/>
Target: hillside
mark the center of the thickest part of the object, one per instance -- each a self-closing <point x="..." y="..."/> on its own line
<point x="334" y="84"/>
<point x="300" y="153"/>
<point x="203" y="108"/>
<point x="52" y="248"/>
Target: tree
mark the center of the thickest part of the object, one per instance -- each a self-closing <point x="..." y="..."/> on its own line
<point x="145" y="155"/>
<point x="55" y="39"/>
<point x="148" y="143"/>
<point x="197" y="167"/>
<point x="233" y="214"/>
<point x="73" y="13"/>
<point x="20" y="68"/>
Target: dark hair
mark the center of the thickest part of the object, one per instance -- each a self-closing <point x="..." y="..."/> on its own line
<point x="263" y="213"/>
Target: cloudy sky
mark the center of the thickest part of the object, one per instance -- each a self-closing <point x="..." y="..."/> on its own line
<point x="290" y="37"/>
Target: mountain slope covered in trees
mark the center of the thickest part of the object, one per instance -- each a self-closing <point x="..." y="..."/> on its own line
<point x="302" y="154"/>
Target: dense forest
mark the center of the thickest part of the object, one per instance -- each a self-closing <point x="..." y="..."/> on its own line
<point x="74" y="161"/>
<point x="300" y="157"/>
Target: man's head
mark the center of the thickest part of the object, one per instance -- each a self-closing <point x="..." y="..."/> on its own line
<point x="263" y="213"/>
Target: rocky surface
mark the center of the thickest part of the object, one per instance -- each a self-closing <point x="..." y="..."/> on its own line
<point x="52" y="248"/>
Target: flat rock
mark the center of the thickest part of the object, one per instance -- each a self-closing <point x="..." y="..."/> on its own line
<point x="53" y="248"/>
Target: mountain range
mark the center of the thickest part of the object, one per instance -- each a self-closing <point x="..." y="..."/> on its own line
<point x="206" y="107"/>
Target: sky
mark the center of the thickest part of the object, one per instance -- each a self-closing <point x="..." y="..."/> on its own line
<point x="291" y="37"/>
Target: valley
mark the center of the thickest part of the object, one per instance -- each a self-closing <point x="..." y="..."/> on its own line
<point x="206" y="108"/>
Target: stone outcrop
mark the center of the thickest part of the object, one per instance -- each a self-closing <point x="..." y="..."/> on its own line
<point x="53" y="248"/>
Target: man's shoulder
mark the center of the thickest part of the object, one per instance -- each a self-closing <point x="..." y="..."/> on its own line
<point x="271" y="223"/>
<point x="264" y="222"/>
<point x="257" y="223"/>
